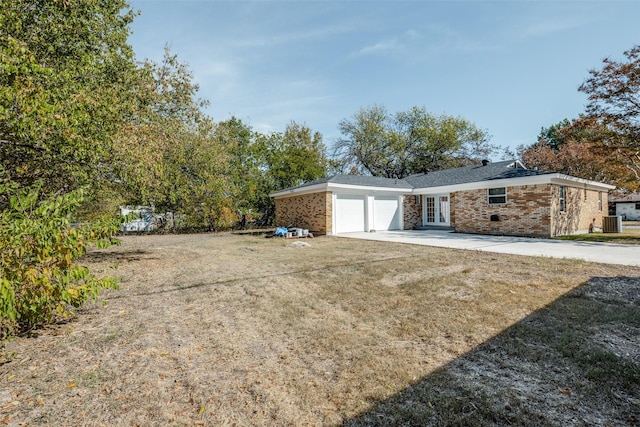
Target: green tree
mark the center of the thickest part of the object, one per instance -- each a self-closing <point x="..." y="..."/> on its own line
<point x="169" y="155"/>
<point x="381" y="144"/>
<point x="39" y="274"/>
<point x="296" y="156"/>
<point x="247" y="167"/>
<point x="285" y="159"/>
<point x="552" y="135"/>
<point x="66" y="86"/>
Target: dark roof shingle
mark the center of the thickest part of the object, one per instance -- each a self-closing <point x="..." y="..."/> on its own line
<point x="463" y="175"/>
<point x="468" y="174"/>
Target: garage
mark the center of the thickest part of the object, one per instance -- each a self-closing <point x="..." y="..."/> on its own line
<point x="349" y="213"/>
<point x="386" y="213"/>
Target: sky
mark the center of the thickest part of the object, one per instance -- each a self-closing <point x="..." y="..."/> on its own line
<point x="510" y="67"/>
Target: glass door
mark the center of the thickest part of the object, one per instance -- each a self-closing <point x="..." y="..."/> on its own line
<point x="436" y="210"/>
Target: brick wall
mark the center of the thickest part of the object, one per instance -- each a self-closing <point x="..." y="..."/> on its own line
<point x="526" y="213"/>
<point x="531" y="210"/>
<point x="412" y="211"/>
<point x="581" y="211"/>
<point x="310" y="211"/>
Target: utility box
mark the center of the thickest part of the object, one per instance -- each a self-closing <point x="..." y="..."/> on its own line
<point x="612" y="224"/>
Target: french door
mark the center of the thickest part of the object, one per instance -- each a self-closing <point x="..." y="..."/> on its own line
<point x="436" y="210"/>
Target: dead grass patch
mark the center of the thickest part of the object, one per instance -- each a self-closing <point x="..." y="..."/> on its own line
<point x="224" y="330"/>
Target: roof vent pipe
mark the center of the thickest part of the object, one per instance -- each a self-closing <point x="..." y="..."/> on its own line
<point x="485" y="162"/>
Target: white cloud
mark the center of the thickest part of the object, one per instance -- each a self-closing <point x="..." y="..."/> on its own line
<point x="445" y="38"/>
<point x="293" y="37"/>
<point x="391" y="45"/>
<point x="434" y="39"/>
<point x="551" y="26"/>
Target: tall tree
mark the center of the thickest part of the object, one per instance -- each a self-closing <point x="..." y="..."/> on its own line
<point x="296" y="156"/>
<point x="381" y="144"/>
<point x="614" y="102"/>
<point x="604" y="143"/>
<point x="566" y="149"/>
<point x="576" y="148"/>
<point x="263" y="163"/>
<point x="67" y="84"/>
<point x="247" y="166"/>
<point x="168" y="155"/>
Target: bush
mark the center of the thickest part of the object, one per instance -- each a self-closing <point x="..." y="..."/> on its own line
<point x="40" y="280"/>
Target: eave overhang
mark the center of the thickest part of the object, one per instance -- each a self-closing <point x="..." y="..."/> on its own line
<point x="340" y="188"/>
<point x="550" y="178"/>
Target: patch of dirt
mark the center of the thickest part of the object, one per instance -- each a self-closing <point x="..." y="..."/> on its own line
<point x="240" y="330"/>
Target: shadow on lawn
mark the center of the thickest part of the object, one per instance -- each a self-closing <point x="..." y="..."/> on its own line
<point x="575" y="362"/>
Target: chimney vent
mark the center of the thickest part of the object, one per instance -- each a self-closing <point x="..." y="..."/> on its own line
<point x="485" y="162"/>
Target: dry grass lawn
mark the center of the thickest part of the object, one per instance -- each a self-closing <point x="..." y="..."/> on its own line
<point x="630" y="234"/>
<point x="242" y="330"/>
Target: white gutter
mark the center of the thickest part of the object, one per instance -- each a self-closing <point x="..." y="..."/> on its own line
<point x="556" y="178"/>
<point x="342" y="188"/>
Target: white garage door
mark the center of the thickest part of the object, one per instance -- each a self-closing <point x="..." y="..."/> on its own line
<point x="349" y="213"/>
<point x="386" y="215"/>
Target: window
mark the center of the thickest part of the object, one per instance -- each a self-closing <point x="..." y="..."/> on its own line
<point x="444" y="208"/>
<point x="599" y="200"/>
<point x="497" y="196"/>
<point x="638" y="206"/>
<point x="563" y="204"/>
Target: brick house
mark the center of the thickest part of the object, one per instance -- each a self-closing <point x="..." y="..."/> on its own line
<point x="502" y="198"/>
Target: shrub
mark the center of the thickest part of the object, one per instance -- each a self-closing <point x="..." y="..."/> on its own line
<point x="40" y="280"/>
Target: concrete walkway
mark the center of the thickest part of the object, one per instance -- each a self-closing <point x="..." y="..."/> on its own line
<point x="608" y="253"/>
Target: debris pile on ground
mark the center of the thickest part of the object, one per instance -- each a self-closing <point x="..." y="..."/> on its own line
<point x="291" y="233"/>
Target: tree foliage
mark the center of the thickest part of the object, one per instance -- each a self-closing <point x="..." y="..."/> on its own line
<point x="67" y="84"/>
<point x="614" y="102"/>
<point x="65" y="88"/>
<point x="572" y="148"/>
<point x="264" y="163"/>
<point x="168" y="154"/>
<point x="85" y="128"/>
<point x="603" y="144"/>
<point x="294" y="157"/>
<point x="396" y="145"/>
<point x="39" y="250"/>
<point x="614" y="97"/>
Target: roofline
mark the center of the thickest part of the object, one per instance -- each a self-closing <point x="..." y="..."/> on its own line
<point x="585" y="182"/>
<point x="295" y="191"/>
<point x="332" y="186"/>
<point x="552" y="178"/>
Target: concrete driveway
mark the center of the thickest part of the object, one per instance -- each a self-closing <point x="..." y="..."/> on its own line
<point x="608" y="253"/>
